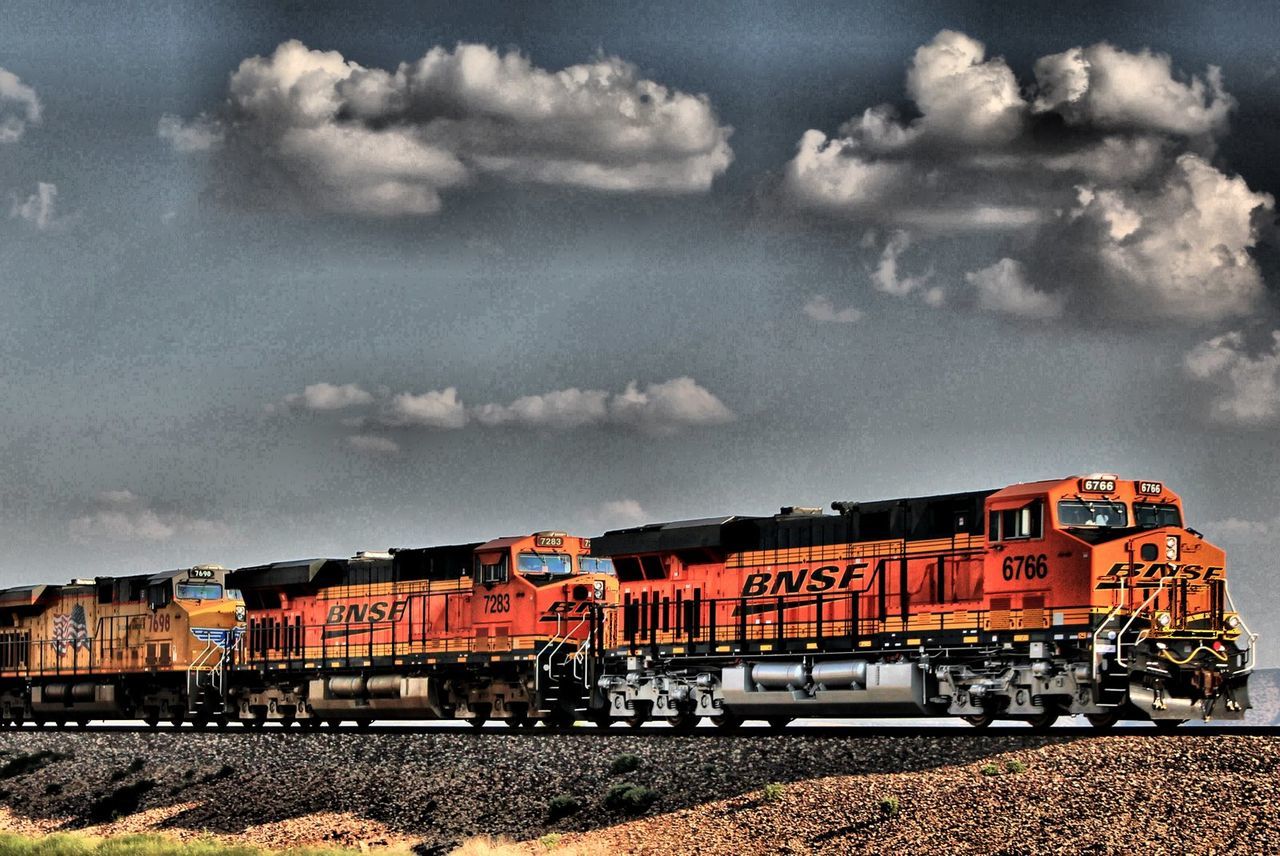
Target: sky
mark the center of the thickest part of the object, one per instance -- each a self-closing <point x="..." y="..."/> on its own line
<point x="291" y="280"/>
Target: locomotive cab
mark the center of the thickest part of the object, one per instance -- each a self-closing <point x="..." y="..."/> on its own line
<point x="1103" y="579"/>
<point x="527" y="583"/>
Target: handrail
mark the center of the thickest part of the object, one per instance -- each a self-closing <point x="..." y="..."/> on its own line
<point x="1252" y="653"/>
<point x="1132" y="618"/>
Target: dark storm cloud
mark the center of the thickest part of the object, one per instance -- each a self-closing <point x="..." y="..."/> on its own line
<point x="1101" y="178"/>
<point x="309" y="128"/>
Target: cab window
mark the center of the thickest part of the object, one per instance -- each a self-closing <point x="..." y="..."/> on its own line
<point x="1018" y="523"/>
<point x="592" y="565"/>
<point x="544" y="563"/>
<point x="1101" y="514"/>
<point x="199" y="591"/>
<point x="1150" y="515"/>
<point x="492" y="569"/>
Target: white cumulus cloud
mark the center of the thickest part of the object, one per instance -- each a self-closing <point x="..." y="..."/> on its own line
<point x="122" y="516"/>
<point x="820" y="307"/>
<point x="312" y="129"/>
<point x="1003" y="287"/>
<point x="38" y="209"/>
<point x="373" y="444"/>
<point x="434" y="409"/>
<point x="1246" y="384"/>
<point x="197" y="135"/>
<point x="19" y="107"/>
<point x="667" y="407"/>
<point x="329" y="396"/>
<point x="1103" y="179"/>
<point x="562" y="408"/>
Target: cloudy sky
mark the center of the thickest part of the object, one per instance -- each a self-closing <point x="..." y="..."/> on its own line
<point x="300" y="280"/>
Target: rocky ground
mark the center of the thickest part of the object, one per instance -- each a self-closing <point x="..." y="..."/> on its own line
<point x="882" y="791"/>
<point x="696" y="794"/>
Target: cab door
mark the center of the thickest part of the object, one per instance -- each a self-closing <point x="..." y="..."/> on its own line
<point x="493" y="602"/>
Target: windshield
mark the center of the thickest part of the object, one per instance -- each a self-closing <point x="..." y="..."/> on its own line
<point x="590" y="565"/>
<point x="545" y="563"/>
<point x="199" y="591"/>
<point x="1149" y="515"/>
<point x="1101" y="513"/>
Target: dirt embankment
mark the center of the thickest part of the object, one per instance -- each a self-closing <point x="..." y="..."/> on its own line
<point x="697" y="794"/>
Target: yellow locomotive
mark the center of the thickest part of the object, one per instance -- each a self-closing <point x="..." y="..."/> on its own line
<point x="149" y="647"/>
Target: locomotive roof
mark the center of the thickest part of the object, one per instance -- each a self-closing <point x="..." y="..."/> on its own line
<point x="20" y="596"/>
<point x="273" y="574"/>
<point x="909" y="517"/>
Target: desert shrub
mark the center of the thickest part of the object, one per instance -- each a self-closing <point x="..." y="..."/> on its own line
<point x="20" y="765"/>
<point x="121" y="802"/>
<point x="627" y="798"/>
<point x="989" y="770"/>
<point x="771" y="792"/>
<point x="563" y="805"/>
<point x="1015" y="766"/>
<point x="550" y="841"/>
<point x="624" y="764"/>
<point x="889" y="805"/>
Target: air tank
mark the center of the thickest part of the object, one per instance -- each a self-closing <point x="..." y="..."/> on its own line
<point x="840" y="674"/>
<point x="779" y="676"/>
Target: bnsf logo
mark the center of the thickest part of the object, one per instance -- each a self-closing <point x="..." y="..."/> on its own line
<point x="356" y="613"/>
<point x="1136" y="573"/>
<point x="825" y="578"/>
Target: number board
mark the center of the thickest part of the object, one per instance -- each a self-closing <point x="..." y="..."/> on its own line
<point x="548" y="541"/>
<point x="1150" y="488"/>
<point x="1098" y="485"/>
<point x="200" y="574"/>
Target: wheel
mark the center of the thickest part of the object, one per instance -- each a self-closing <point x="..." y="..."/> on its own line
<point x="364" y="724"/>
<point x="519" y="715"/>
<point x="602" y="719"/>
<point x="639" y="715"/>
<point x="1166" y="726"/>
<point x="310" y="723"/>
<point x="60" y="724"/>
<point x="684" y="722"/>
<point x="980" y="720"/>
<point x="727" y="721"/>
<point x="333" y="724"/>
<point x="477" y="722"/>
<point x="778" y="723"/>
<point x="82" y="724"/>
<point x="175" y="718"/>
<point x="151" y="719"/>
<point x="1040" y="723"/>
<point x="1103" y="721"/>
<point x="222" y="722"/>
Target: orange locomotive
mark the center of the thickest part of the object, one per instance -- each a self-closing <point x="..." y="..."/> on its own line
<point x="149" y="647"/>
<point x="1082" y="595"/>
<point x="497" y="629"/>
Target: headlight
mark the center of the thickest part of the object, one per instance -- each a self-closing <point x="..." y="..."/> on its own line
<point x="599" y="589"/>
<point x="1163" y="619"/>
<point x="1233" y="622"/>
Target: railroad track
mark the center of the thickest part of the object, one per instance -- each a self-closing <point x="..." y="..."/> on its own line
<point x="660" y="731"/>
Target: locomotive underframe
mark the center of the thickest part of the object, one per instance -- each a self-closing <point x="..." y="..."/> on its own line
<point x="1000" y="678"/>
<point x="152" y="697"/>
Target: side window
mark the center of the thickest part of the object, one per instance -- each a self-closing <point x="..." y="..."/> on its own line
<point x="159" y="595"/>
<point x="495" y="572"/>
<point x="1026" y="522"/>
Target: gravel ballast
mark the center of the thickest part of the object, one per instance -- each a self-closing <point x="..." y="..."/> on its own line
<point x="698" y="794"/>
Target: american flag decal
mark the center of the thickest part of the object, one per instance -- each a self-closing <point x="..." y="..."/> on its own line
<point x="70" y="631"/>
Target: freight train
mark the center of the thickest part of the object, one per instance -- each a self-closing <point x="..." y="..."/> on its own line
<point x="1083" y="595"/>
